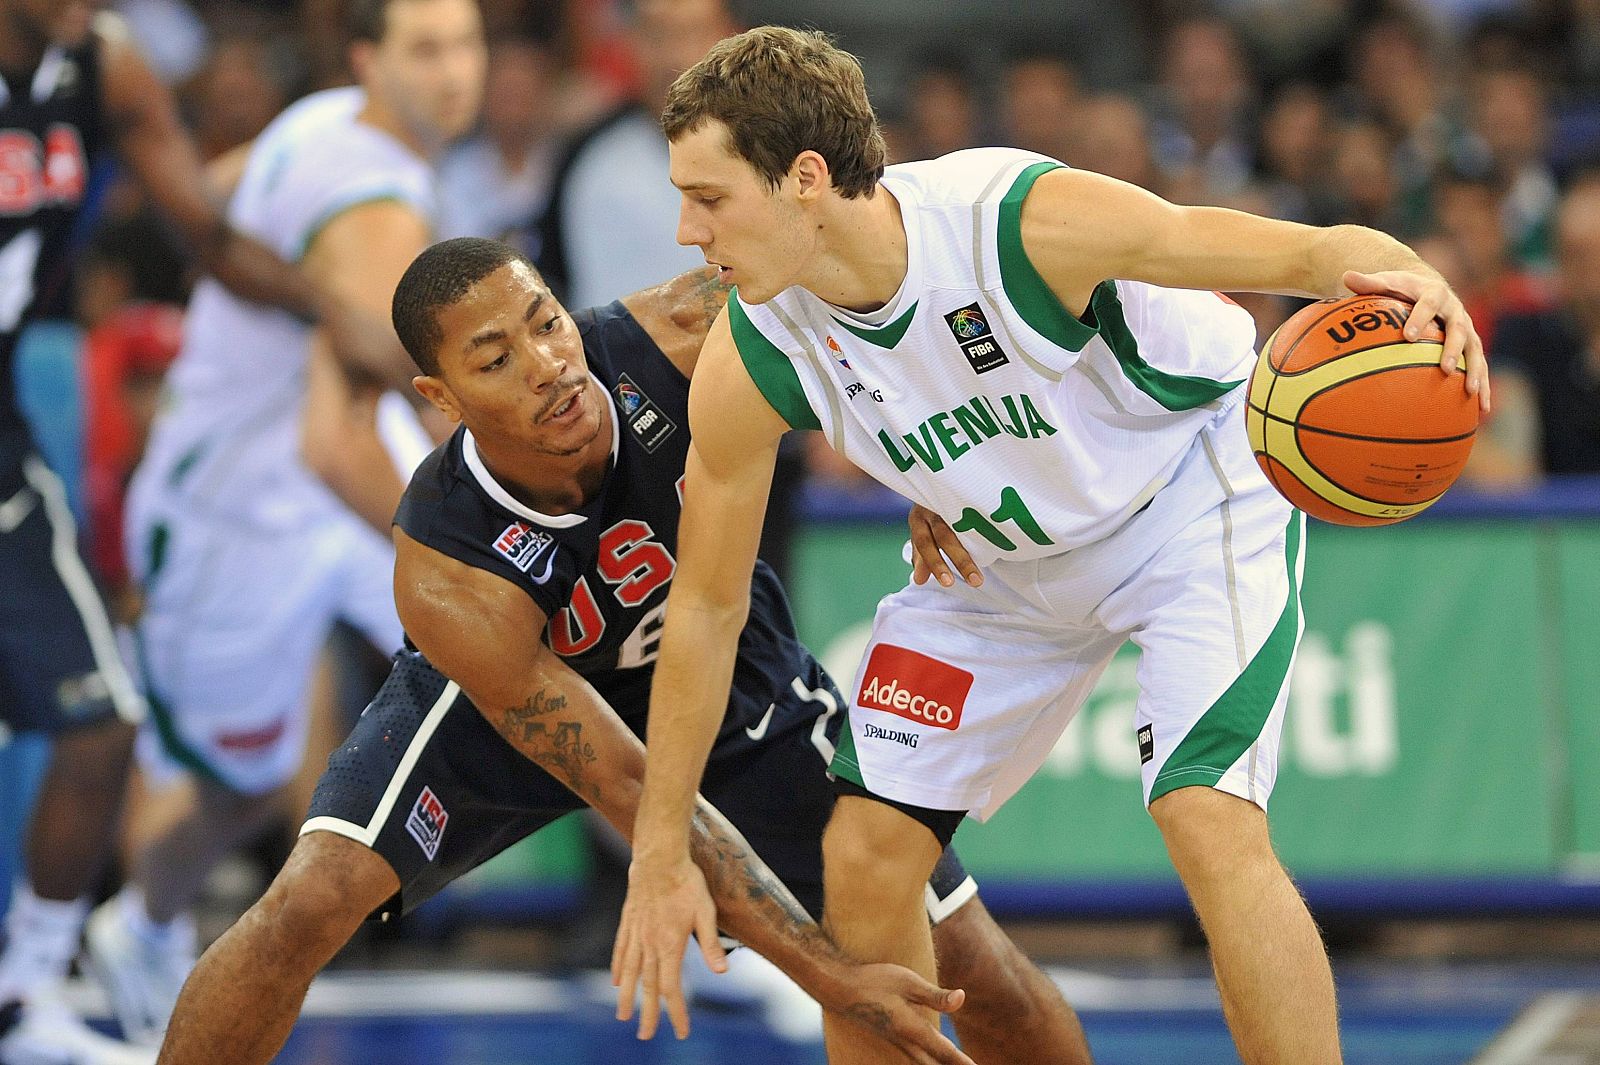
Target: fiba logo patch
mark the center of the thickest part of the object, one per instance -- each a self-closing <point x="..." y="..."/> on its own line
<point x="649" y="423"/>
<point x="426" y="822"/>
<point x="629" y="396"/>
<point x="971" y="330"/>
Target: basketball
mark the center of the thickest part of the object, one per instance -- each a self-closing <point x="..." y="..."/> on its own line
<point x="1352" y="422"/>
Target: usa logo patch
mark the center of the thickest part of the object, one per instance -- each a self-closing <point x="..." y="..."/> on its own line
<point x="522" y="544"/>
<point x="426" y="822"/>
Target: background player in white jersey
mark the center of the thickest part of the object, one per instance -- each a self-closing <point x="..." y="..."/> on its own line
<point x="245" y="554"/>
<point x="1012" y="344"/>
<point x="72" y="87"/>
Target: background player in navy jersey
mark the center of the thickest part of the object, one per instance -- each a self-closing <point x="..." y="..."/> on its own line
<point x="534" y="553"/>
<point x="71" y="86"/>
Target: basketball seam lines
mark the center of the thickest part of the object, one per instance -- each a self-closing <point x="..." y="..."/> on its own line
<point x="1358" y="436"/>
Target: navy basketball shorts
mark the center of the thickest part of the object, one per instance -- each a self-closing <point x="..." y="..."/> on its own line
<point x="429" y="785"/>
<point x="60" y="667"/>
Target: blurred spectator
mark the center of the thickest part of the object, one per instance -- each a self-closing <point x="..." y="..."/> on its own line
<point x="1558" y="352"/>
<point x="941" y="110"/>
<point x="1040" y="104"/>
<point x="1399" y="82"/>
<point x="1116" y="142"/>
<point x="234" y="95"/>
<point x="171" y="35"/>
<point x="1292" y="39"/>
<point x="1510" y="116"/>
<point x="611" y="223"/>
<point x="1491" y="284"/>
<point x="500" y="177"/>
<point x="1365" y="189"/>
<point x="1296" y="150"/>
<point x="1203" y="114"/>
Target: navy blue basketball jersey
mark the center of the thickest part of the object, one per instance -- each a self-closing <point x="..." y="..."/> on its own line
<point x="601" y="573"/>
<point x="51" y="122"/>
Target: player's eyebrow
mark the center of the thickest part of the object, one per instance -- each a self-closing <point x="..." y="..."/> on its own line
<point x="489" y="336"/>
<point x="696" y="186"/>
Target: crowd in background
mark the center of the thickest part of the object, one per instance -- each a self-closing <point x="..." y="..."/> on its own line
<point x="1465" y="127"/>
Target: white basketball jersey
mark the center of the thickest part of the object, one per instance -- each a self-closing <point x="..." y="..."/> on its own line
<point x="228" y="435"/>
<point x="974" y="393"/>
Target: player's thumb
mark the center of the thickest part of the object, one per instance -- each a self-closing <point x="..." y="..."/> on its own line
<point x="941" y="999"/>
<point x="705" y="931"/>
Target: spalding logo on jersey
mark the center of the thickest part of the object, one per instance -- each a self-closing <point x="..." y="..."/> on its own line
<point x="524" y="545"/>
<point x="911" y="685"/>
<point x="648" y="423"/>
<point x="971" y="330"/>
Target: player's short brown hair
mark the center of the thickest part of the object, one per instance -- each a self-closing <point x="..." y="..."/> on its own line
<point x="781" y="92"/>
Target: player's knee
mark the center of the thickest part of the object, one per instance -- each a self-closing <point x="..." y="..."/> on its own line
<point x="93" y="759"/>
<point x="1209" y="833"/>
<point x="873" y="851"/>
<point x="325" y="890"/>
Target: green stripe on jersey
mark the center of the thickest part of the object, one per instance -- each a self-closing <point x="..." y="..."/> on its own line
<point x="887" y="336"/>
<point x="1234" y="722"/>
<point x="340" y="207"/>
<point x="1173" y="391"/>
<point x="1024" y="287"/>
<point x="845" y="763"/>
<point x="770" y="369"/>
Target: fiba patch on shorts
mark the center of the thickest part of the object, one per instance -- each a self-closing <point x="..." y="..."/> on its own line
<point x="911" y="685"/>
<point x="426" y="822"/>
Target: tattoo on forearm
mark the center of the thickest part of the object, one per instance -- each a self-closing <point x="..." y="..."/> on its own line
<point x="557" y="746"/>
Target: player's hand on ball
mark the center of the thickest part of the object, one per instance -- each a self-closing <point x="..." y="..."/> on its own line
<point x="889" y="1001"/>
<point x="1433" y="299"/>
<point x="664" y="905"/>
<point x="932" y="542"/>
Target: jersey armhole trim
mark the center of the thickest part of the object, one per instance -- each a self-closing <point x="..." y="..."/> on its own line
<point x="339" y="207"/>
<point x="1026" y="290"/>
<point x="1175" y="392"/>
<point x="770" y="369"/>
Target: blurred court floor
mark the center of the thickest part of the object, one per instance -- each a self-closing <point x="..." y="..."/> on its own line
<point x="1392" y="1014"/>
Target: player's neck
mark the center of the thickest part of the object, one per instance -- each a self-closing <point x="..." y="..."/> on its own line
<point x="863" y="259"/>
<point x="549" y="484"/>
<point x="379" y="115"/>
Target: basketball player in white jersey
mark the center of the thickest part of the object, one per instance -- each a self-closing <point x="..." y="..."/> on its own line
<point x="247" y="556"/>
<point x="1036" y="354"/>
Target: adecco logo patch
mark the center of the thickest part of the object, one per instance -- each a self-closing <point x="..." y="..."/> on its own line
<point x="911" y="685"/>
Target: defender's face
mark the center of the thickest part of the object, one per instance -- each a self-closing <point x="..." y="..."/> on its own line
<point x="511" y="363"/>
<point x="430" y="65"/>
<point x="755" y="235"/>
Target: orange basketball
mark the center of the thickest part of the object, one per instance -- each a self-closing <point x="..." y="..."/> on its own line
<point x="1351" y="421"/>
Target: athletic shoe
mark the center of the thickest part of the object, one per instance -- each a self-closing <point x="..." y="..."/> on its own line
<point x="43" y="1031"/>
<point x="142" y="977"/>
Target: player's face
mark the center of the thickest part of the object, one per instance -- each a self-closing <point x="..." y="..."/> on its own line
<point x="757" y="236"/>
<point x="511" y="366"/>
<point x="430" y="66"/>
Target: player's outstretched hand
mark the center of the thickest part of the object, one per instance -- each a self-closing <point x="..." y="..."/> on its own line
<point x="933" y="541"/>
<point x="1433" y="299"/>
<point x="664" y="905"/>
<point x="889" y="1000"/>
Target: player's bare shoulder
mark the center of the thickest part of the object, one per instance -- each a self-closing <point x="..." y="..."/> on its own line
<point x="678" y="314"/>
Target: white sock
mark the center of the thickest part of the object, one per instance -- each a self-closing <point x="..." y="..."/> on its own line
<point x="176" y="934"/>
<point x="41" y="941"/>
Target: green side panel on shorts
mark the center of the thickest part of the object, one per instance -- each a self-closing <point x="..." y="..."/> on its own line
<point x="844" y="762"/>
<point x="1234" y="722"/>
<point x="172" y="742"/>
<point x="1173" y="391"/>
<point x="770" y="369"/>
<point x="1024" y="287"/>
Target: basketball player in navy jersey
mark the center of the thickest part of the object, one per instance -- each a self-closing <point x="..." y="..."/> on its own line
<point x="534" y="554"/>
<point x="71" y="86"/>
